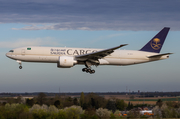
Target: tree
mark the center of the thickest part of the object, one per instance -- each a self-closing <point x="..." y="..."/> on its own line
<point x="68" y="102"/>
<point x="130" y="106"/>
<point x="159" y="102"/>
<point x="82" y="99"/>
<point x="90" y="113"/>
<point x="57" y="103"/>
<point x="120" y="104"/>
<point x="30" y="102"/>
<point x="19" y="99"/>
<point x="75" y="101"/>
<point x="74" y="112"/>
<point x="69" y="99"/>
<point x="111" y="105"/>
<point x="95" y="101"/>
<point x="85" y="106"/>
<point x="41" y="98"/>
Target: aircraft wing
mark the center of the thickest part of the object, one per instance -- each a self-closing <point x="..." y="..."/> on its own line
<point x="159" y="55"/>
<point x="99" y="54"/>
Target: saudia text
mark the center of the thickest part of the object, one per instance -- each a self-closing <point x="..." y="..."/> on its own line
<point x="70" y="51"/>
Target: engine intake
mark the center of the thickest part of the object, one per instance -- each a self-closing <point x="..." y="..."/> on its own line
<point x="66" y="62"/>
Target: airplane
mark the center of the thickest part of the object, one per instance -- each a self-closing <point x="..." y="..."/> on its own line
<point x="68" y="57"/>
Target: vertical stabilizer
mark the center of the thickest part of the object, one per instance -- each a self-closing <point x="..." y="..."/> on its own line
<point x="156" y="43"/>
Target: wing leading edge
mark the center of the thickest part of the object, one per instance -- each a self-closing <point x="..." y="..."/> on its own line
<point x="99" y="54"/>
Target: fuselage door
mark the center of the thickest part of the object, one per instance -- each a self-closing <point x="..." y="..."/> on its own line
<point x="23" y="52"/>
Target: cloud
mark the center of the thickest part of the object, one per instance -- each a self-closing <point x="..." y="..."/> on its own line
<point x="103" y="38"/>
<point x="91" y="15"/>
<point x="102" y="26"/>
<point x="29" y="42"/>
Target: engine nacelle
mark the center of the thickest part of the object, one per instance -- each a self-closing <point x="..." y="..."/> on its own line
<point x="66" y="62"/>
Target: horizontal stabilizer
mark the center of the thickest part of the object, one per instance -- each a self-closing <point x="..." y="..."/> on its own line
<point x="159" y="55"/>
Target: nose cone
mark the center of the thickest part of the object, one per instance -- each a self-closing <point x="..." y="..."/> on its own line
<point x="8" y="55"/>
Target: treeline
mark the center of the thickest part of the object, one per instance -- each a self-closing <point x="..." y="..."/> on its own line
<point x="90" y="100"/>
<point x="90" y="106"/>
<point x="21" y="111"/>
<point x="143" y="94"/>
<point x="157" y="94"/>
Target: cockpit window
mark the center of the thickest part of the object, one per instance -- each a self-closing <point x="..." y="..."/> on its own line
<point x="11" y="51"/>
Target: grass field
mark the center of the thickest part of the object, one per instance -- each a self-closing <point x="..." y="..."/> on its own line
<point x="141" y="102"/>
<point x="145" y="100"/>
<point x="163" y="99"/>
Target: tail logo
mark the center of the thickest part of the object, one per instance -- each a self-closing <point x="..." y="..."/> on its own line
<point x="155" y="44"/>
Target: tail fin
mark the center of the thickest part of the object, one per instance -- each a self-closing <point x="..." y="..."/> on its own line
<point x="156" y="43"/>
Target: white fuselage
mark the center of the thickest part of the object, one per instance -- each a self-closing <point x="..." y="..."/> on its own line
<point x="52" y="54"/>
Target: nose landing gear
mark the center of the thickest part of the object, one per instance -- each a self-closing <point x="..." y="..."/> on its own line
<point x="20" y="63"/>
<point x="20" y="67"/>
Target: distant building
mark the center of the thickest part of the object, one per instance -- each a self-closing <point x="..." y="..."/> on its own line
<point x="145" y="111"/>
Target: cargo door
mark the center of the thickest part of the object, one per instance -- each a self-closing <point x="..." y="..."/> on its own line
<point x="23" y="52"/>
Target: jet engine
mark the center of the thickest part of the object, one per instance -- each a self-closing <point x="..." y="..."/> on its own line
<point x="66" y="62"/>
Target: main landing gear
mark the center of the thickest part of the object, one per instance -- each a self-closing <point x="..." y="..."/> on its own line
<point x="88" y="68"/>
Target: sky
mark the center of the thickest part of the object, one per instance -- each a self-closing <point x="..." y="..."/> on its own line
<point x="88" y="24"/>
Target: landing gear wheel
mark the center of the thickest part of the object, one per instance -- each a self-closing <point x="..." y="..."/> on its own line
<point x="93" y="71"/>
<point x="20" y="67"/>
<point x="88" y="70"/>
<point x="84" y="69"/>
